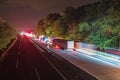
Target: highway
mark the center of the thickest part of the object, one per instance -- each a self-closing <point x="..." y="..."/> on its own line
<point x="100" y="67"/>
<point x="25" y="62"/>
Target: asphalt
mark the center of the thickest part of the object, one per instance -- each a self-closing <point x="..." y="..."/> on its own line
<point x="86" y="66"/>
<point x="25" y="62"/>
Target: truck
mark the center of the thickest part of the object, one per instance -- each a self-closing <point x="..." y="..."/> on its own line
<point x="63" y="44"/>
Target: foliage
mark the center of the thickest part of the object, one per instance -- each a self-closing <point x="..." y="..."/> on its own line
<point x="7" y="33"/>
<point x="97" y="23"/>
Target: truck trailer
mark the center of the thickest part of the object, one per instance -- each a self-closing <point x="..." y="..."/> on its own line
<point x="64" y="44"/>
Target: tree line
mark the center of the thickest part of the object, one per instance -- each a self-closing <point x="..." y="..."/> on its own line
<point x="7" y="33"/>
<point x="97" y="23"/>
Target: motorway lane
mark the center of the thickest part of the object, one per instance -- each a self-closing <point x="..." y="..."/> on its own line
<point x="25" y="62"/>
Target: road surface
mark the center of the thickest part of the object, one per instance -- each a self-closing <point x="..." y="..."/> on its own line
<point x="99" y="67"/>
<point x="25" y="62"/>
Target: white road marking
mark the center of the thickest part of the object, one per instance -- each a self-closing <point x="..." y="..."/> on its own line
<point x="17" y="63"/>
<point x="55" y="68"/>
<point x="41" y="50"/>
<point x="36" y="71"/>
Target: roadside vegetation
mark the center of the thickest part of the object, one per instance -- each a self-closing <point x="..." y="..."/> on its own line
<point x="97" y="23"/>
<point x="7" y="33"/>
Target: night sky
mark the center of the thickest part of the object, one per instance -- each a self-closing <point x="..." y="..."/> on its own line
<point x="24" y="14"/>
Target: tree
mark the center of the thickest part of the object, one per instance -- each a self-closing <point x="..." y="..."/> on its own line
<point x="46" y="23"/>
<point x="85" y="30"/>
<point x="7" y="33"/>
<point x="59" y="28"/>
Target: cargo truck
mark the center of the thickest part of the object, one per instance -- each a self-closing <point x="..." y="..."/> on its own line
<point x="63" y="44"/>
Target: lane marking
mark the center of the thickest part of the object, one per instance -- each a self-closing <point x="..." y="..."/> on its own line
<point x="38" y="47"/>
<point x="36" y="71"/>
<point x="5" y="53"/>
<point x="17" y="63"/>
<point x="55" y="68"/>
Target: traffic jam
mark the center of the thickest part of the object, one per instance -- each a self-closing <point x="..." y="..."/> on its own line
<point x="110" y="56"/>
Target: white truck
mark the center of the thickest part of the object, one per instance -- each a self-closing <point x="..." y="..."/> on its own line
<point x="64" y="44"/>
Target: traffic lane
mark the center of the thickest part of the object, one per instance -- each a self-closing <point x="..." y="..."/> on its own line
<point x="25" y="65"/>
<point x="11" y="56"/>
<point x="10" y="67"/>
<point x="24" y="62"/>
<point x="96" y="67"/>
<point x="71" y="72"/>
<point x="7" y="67"/>
<point x="38" y="63"/>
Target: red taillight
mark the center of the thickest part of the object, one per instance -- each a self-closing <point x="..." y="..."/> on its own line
<point x="57" y="47"/>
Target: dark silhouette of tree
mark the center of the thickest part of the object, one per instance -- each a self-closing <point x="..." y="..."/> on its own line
<point x="7" y="33"/>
